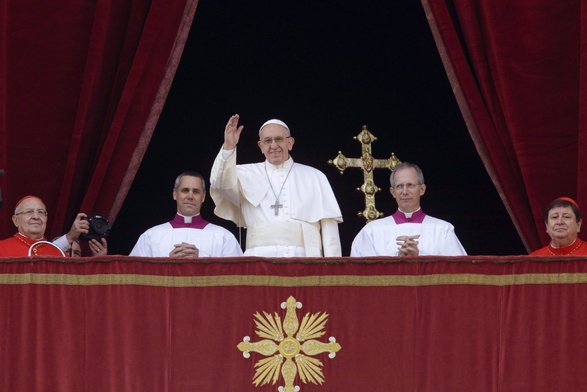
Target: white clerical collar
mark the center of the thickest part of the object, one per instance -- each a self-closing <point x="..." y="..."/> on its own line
<point x="285" y="165"/>
<point x="409" y="214"/>
<point x="187" y="219"/>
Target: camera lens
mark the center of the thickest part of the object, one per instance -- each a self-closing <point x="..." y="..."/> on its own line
<point x="100" y="226"/>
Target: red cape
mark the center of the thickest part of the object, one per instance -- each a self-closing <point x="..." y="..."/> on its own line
<point x="19" y="245"/>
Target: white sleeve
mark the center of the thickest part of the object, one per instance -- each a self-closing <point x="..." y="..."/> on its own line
<point x="231" y="246"/>
<point x="223" y="179"/>
<point x="142" y="247"/>
<point x="364" y="244"/>
<point x="62" y="243"/>
<point x="452" y="245"/>
<point x="330" y="238"/>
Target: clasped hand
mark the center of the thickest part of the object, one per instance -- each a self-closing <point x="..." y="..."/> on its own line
<point x="408" y="245"/>
<point x="184" y="250"/>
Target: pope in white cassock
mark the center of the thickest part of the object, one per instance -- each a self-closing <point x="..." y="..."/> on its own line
<point x="409" y="231"/>
<point x="187" y="234"/>
<point x="288" y="208"/>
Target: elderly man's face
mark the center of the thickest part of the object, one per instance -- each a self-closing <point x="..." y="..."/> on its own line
<point x="407" y="190"/>
<point x="562" y="226"/>
<point x="275" y="143"/>
<point x="30" y="218"/>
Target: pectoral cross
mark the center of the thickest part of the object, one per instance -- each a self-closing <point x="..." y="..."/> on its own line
<point x="277" y="206"/>
<point x="368" y="164"/>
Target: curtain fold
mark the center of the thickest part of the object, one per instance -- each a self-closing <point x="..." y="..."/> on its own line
<point x="517" y="69"/>
<point x="84" y="86"/>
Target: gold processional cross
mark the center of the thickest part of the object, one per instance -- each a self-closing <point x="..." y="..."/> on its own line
<point x="368" y="164"/>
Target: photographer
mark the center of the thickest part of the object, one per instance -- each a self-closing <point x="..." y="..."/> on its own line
<point x="80" y="229"/>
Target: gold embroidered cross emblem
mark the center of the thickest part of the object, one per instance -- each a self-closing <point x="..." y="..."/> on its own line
<point x="289" y="355"/>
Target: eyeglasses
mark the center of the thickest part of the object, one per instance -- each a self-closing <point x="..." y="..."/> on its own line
<point x="408" y="186"/>
<point x="32" y="212"/>
<point x="269" y="140"/>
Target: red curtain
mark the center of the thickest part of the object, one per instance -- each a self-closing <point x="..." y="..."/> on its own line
<point x="83" y="84"/>
<point x="519" y="73"/>
<point x="129" y="324"/>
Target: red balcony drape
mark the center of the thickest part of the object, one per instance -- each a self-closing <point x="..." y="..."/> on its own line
<point x="441" y="324"/>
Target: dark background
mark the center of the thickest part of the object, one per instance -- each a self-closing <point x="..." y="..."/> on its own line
<point x="326" y="68"/>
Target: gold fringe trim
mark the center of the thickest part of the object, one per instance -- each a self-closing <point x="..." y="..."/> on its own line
<point x="295" y="281"/>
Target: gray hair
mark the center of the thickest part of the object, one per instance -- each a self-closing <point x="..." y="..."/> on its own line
<point x="189" y="173"/>
<point x="407" y="165"/>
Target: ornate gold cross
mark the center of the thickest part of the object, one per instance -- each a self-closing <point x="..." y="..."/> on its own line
<point x="290" y="353"/>
<point x="368" y="164"/>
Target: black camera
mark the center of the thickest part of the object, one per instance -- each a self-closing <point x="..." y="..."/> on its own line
<point x="99" y="228"/>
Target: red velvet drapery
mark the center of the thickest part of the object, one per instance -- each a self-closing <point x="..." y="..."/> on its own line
<point x="519" y="73"/>
<point x="83" y="84"/>
<point x="458" y="324"/>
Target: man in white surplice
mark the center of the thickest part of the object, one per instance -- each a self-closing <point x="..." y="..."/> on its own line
<point x="187" y="235"/>
<point x="409" y="231"/>
<point x="288" y="208"/>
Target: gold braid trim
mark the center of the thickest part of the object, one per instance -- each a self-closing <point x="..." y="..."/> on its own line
<point x="297" y="281"/>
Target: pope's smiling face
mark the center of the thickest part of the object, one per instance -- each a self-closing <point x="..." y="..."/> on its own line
<point x="30" y="218"/>
<point x="275" y="143"/>
<point x="189" y="195"/>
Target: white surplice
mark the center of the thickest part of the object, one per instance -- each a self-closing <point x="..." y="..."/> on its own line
<point x="378" y="238"/>
<point x="211" y="241"/>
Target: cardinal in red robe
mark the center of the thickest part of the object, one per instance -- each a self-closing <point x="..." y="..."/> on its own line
<point x="563" y="224"/>
<point x="30" y="219"/>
